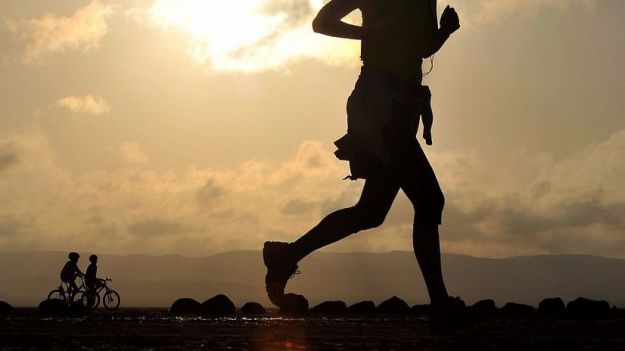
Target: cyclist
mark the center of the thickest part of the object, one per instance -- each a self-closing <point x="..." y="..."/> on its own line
<point x="91" y="279"/>
<point x="70" y="271"/>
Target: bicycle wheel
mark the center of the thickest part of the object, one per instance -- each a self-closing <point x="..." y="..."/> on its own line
<point x="111" y="300"/>
<point x="56" y="294"/>
<point x="80" y="297"/>
<point x="94" y="300"/>
<point x="87" y="299"/>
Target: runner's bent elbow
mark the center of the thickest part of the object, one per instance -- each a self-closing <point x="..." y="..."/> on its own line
<point x="317" y="25"/>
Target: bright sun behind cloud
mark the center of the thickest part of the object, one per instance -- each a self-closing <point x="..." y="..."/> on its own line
<point x="249" y="35"/>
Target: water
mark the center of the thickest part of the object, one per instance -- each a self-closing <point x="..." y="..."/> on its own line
<point x="150" y="329"/>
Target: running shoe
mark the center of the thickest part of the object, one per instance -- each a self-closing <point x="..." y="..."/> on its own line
<point x="279" y="270"/>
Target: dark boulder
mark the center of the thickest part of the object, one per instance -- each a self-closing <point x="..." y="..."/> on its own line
<point x="294" y="304"/>
<point x="421" y="309"/>
<point x="219" y="305"/>
<point x="512" y="309"/>
<point x="483" y="308"/>
<point x="77" y="308"/>
<point x="552" y="308"/>
<point x="5" y="308"/>
<point x="54" y="307"/>
<point x="363" y="307"/>
<point x="185" y="306"/>
<point x="253" y="308"/>
<point x="587" y="308"/>
<point x="330" y="307"/>
<point x="394" y="305"/>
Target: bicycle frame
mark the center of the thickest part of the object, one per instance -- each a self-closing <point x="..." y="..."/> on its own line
<point x="103" y="286"/>
<point x="65" y="288"/>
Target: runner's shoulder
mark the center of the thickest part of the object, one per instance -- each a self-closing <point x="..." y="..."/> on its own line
<point x="368" y="6"/>
<point x="363" y="5"/>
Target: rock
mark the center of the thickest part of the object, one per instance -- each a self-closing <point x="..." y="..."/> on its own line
<point x="362" y="307"/>
<point x="394" y="305"/>
<point x="587" y="308"/>
<point x="552" y="308"/>
<point x="330" y="307"/>
<point x="185" y="306"/>
<point x="77" y="308"/>
<point x="512" y="309"/>
<point x="421" y="309"/>
<point x="253" y="308"/>
<point x="483" y="308"/>
<point x="5" y="308"/>
<point x="219" y="305"/>
<point x="53" y="307"/>
<point x="294" y="304"/>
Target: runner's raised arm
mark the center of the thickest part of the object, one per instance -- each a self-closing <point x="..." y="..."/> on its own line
<point x="328" y="20"/>
<point x="449" y="24"/>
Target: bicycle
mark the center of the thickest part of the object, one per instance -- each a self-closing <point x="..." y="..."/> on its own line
<point x="65" y="293"/>
<point x="91" y="297"/>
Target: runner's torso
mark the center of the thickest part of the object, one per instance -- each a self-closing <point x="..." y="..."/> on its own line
<point x="407" y="27"/>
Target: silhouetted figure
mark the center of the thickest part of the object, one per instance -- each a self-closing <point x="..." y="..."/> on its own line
<point x="91" y="279"/>
<point x="383" y="115"/>
<point x="70" y="272"/>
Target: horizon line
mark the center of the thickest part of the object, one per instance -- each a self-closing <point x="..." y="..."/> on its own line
<point x="320" y="252"/>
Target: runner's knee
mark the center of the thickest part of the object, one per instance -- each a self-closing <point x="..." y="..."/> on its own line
<point x="429" y="213"/>
<point x="369" y="217"/>
<point x="373" y="222"/>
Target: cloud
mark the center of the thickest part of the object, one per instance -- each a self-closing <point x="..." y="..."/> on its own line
<point x="7" y="159"/>
<point x="297" y="207"/>
<point x="239" y="205"/>
<point x="83" y="30"/>
<point x="276" y="33"/>
<point x="530" y="205"/>
<point x="132" y="153"/>
<point x="572" y="205"/>
<point x="296" y="12"/>
<point x="489" y="12"/>
<point x="85" y="104"/>
<point x="209" y="193"/>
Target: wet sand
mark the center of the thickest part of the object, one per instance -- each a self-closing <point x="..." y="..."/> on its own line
<point x="130" y="329"/>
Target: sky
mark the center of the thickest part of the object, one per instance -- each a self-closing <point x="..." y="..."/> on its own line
<point x="195" y="127"/>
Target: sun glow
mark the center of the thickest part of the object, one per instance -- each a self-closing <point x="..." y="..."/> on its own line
<point x="249" y="35"/>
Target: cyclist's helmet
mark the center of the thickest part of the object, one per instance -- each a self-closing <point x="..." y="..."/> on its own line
<point x="93" y="258"/>
<point x="73" y="256"/>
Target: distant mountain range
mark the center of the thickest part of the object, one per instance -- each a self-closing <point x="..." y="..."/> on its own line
<point x="152" y="281"/>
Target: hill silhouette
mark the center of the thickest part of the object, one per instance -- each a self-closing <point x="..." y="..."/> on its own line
<point x="26" y="277"/>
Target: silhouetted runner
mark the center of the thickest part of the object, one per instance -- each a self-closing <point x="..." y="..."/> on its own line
<point x="383" y="117"/>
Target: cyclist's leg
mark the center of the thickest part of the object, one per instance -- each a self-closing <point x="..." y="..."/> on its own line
<point x="420" y="185"/>
<point x="73" y="288"/>
<point x="375" y="201"/>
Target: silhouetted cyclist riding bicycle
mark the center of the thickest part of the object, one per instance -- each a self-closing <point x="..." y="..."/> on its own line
<point x="90" y="298"/>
